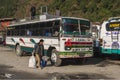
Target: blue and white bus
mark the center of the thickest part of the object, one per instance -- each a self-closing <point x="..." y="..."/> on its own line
<point x="110" y="36"/>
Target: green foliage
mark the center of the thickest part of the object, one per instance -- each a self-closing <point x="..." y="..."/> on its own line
<point x="95" y="10"/>
<point x="7" y="8"/>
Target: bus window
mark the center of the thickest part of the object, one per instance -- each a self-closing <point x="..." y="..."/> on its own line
<point x="55" y="32"/>
<point x="8" y="32"/>
<point x="28" y="29"/>
<point x="11" y="33"/>
<point x="22" y="30"/>
<point x="55" y="29"/>
<point x="85" y="27"/>
<point x="29" y="32"/>
<point x="70" y="26"/>
<point x="15" y="33"/>
<point x="48" y="32"/>
<point x="113" y="26"/>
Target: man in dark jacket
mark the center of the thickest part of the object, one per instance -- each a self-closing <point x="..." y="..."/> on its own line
<point x="39" y="51"/>
<point x="33" y="12"/>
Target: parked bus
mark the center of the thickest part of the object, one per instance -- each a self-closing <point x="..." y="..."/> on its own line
<point x="64" y="37"/>
<point x="109" y="36"/>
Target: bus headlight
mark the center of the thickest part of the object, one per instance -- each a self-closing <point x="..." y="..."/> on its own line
<point x="67" y="48"/>
<point x="68" y="45"/>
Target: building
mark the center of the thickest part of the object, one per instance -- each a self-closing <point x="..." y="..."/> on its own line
<point x="3" y="26"/>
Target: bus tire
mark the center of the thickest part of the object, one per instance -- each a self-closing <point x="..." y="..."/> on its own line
<point x="55" y="60"/>
<point x="18" y="50"/>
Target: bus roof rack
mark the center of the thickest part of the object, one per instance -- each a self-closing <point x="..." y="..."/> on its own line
<point x="47" y="16"/>
<point x="37" y="18"/>
<point x="114" y="18"/>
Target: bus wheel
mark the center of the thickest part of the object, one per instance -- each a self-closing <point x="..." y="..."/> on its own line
<point x="18" y="51"/>
<point x="55" y="60"/>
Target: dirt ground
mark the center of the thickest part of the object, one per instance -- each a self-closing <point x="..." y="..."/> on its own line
<point x="14" y="67"/>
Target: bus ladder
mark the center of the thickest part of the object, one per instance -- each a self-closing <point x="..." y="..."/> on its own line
<point x="115" y="37"/>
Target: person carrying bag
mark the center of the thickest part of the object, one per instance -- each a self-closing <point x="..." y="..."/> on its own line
<point x="39" y="52"/>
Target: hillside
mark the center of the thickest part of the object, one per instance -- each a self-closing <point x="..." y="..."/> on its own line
<point x="95" y="10"/>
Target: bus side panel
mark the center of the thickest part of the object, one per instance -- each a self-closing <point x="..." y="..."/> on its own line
<point x="110" y="51"/>
<point x="107" y="46"/>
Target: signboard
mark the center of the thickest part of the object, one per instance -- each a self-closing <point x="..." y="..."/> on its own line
<point x="115" y="24"/>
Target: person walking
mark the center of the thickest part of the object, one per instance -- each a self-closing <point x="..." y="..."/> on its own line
<point x="33" y="12"/>
<point x="39" y="52"/>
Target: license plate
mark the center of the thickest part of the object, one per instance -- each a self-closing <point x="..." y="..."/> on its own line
<point x="80" y="49"/>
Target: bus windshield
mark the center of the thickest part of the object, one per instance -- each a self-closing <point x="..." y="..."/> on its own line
<point x="75" y="26"/>
<point x="113" y="26"/>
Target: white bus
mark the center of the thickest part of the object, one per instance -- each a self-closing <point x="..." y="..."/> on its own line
<point x="109" y="36"/>
<point x="64" y="37"/>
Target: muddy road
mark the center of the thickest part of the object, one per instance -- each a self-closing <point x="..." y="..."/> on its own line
<point x="14" y="67"/>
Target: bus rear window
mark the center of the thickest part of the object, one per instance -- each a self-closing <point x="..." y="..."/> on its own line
<point x="113" y="26"/>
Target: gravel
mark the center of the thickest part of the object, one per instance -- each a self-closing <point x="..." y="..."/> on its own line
<point x="16" y="67"/>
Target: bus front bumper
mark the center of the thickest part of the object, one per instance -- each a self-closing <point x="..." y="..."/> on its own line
<point x="81" y="55"/>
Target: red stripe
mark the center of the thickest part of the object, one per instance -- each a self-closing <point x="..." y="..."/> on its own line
<point x="81" y="42"/>
<point x="22" y="40"/>
<point x="78" y="43"/>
